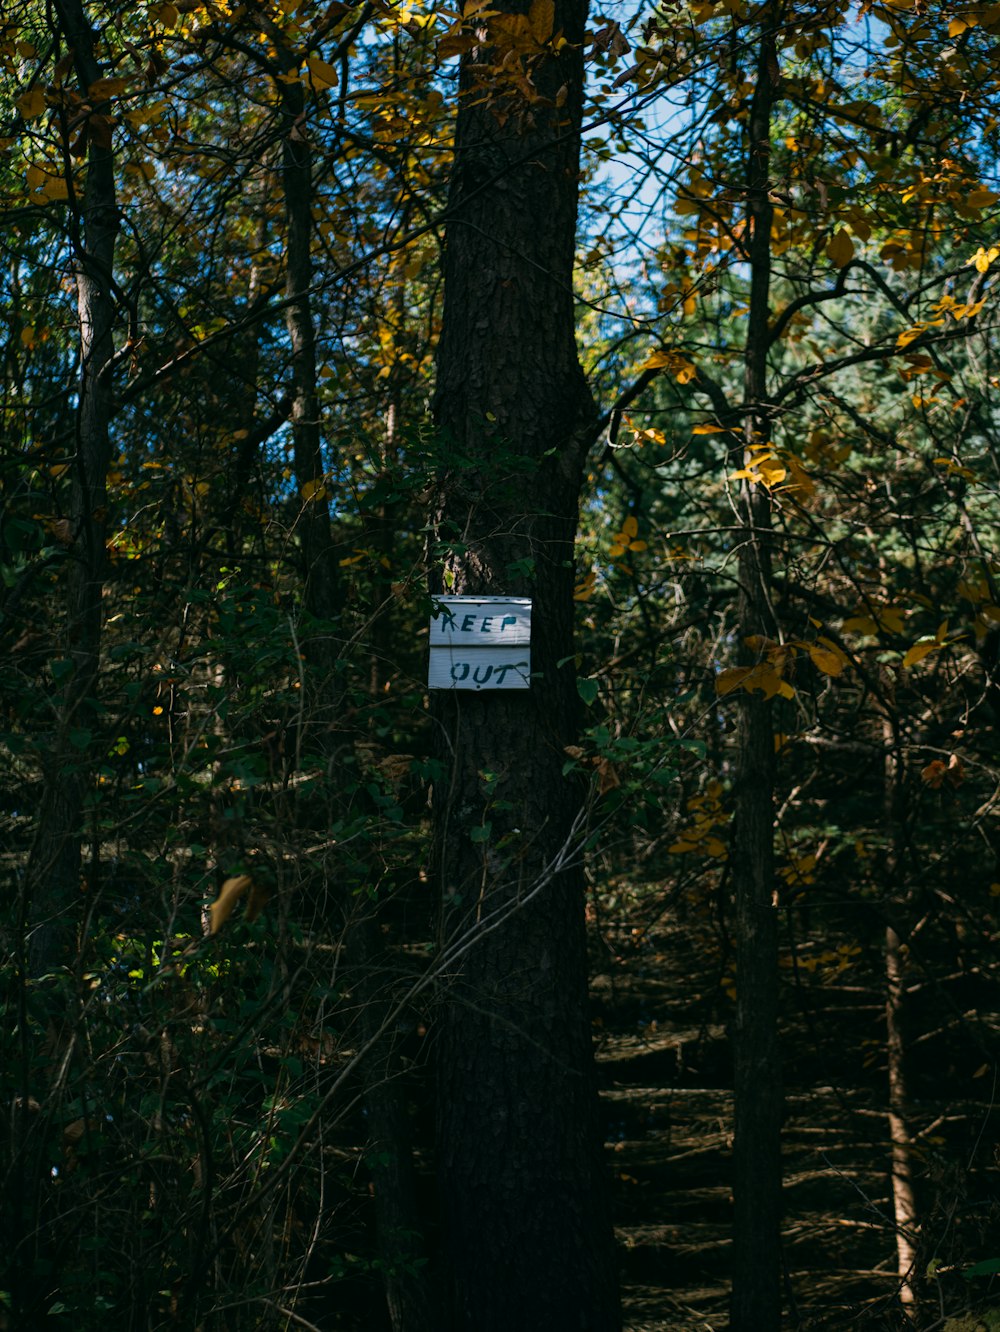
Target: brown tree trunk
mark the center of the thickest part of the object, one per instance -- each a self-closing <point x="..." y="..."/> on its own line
<point x="756" y="1299"/>
<point x="904" y="1202"/>
<point x="52" y="899"/>
<point x="401" y="1246"/>
<point x="526" y="1231"/>
<point x="320" y="568"/>
<point x="53" y="876"/>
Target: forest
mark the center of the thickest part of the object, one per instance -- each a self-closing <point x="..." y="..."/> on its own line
<point x="650" y="981"/>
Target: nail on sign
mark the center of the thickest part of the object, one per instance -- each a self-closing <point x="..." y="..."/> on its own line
<point x="480" y="643"/>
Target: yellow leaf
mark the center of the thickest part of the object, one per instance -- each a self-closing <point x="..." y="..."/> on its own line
<point x="314" y="490"/>
<point x="222" y="908"/>
<point x="981" y="198"/>
<point x="708" y="428"/>
<point x="31" y="104"/>
<point x="638" y="545"/>
<point x="321" y="74"/>
<point x="55" y="188"/>
<point x="840" y="250"/>
<point x="727" y="681"/>
<point x="827" y="657"/>
<point x="909" y="335"/>
<point x="630" y="527"/>
<point x="800" y="478"/>
<point x="772" y="472"/>
<point x="658" y="360"/>
<point x="541" y="18"/>
<point x="982" y="259"/>
<point x="918" y="652"/>
<point x="860" y="624"/>
<point x="890" y="618"/>
<point x="101" y="89"/>
<point x="584" y="589"/>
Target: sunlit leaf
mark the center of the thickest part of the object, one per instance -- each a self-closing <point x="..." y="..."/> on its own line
<point x="827" y="657"/>
<point x="919" y="651"/>
<point x="321" y="74"/>
<point x="222" y="908"/>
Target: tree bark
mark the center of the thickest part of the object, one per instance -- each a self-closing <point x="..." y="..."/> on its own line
<point x="320" y="568"/>
<point x="401" y="1245"/>
<point x="526" y="1229"/>
<point x="756" y="1297"/>
<point x="904" y="1201"/>
<point x="53" y="875"/>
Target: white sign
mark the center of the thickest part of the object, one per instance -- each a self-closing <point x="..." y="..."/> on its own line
<point x="480" y="643"/>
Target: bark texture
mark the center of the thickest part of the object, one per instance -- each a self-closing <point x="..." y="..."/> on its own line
<point x="320" y="569"/>
<point x="904" y="1199"/>
<point x="53" y="875"/>
<point x="526" y="1230"/>
<point x="756" y="1301"/>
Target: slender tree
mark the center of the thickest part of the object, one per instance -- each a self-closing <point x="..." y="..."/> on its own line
<point x="756" y="1144"/>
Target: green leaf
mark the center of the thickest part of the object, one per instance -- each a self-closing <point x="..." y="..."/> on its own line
<point x="988" y="1267"/>
<point x="481" y="834"/>
<point x="587" y="689"/>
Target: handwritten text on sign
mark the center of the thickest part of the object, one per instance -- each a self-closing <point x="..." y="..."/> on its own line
<point x="480" y="643"/>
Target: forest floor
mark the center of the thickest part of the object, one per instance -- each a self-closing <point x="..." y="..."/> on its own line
<point x="665" y="1064"/>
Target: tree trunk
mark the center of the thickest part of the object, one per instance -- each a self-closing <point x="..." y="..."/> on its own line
<point x="904" y="1202"/>
<point x="401" y="1246"/>
<point x="53" y="874"/>
<point x="526" y="1230"/>
<point x="321" y="572"/>
<point x="52" y="895"/>
<point x="756" y="1300"/>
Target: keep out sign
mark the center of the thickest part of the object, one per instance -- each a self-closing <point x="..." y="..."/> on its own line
<point x="480" y="643"/>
